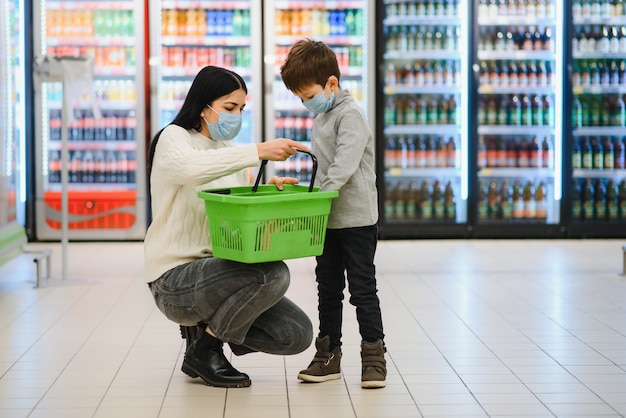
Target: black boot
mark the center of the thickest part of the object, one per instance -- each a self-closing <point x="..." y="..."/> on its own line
<point x="205" y="359"/>
<point x="191" y="333"/>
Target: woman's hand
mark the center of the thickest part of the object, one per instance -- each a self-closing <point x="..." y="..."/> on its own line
<point x="279" y="181"/>
<point x="279" y="149"/>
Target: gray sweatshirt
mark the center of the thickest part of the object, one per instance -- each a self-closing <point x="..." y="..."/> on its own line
<point x="344" y="148"/>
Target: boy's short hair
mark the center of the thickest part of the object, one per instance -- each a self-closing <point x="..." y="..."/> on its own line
<point x="309" y="62"/>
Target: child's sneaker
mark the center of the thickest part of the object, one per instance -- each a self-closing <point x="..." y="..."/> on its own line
<point x="325" y="365"/>
<point x="374" y="371"/>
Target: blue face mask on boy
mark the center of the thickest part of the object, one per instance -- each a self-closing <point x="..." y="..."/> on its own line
<point x="227" y="127"/>
<point x="320" y="104"/>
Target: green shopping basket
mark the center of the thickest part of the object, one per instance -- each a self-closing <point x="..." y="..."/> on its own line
<point x="258" y="224"/>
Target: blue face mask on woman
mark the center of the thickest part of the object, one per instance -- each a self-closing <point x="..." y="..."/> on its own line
<point x="227" y="127"/>
<point x="320" y="104"/>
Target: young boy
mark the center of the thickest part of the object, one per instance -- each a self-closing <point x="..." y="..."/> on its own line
<point x="344" y="148"/>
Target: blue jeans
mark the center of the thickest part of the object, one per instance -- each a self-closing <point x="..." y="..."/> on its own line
<point x="349" y="250"/>
<point x="241" y="303"/>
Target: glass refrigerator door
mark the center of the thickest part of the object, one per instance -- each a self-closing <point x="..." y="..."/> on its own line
<point x="189" y="35"/>
<point x="424" y="120"/>
<point x="106" y="189"/>
<point x="519" y="67"/>
<point x="342" y="26"/>
<point x="11" y="126"/>
<point x="598" y="79"/>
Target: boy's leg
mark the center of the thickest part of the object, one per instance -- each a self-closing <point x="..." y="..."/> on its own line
<point x="329" y="272"/>
<point x="359" y="250"/>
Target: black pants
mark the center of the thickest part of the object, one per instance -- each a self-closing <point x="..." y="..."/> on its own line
<point x="349" y="250"/>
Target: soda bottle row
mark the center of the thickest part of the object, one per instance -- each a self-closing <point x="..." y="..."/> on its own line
<point x="423" y="73"/>
<point x="540" y="9"/>
<point x="106" y="91"/>
<point x="584" y="9"/>
<point x="103" y="56"/>
<point x="503" y="73"/>
<point x="315" y="22"/>
<point x="421" y="110"/>
<point x="296" y="126"/>
<point x="299" y="166"/>
<point x="594" y="39"/>
<point x="428" y="200"/>
<point x="521" y="38"/>
<point x="516" y="110"/>
<point x="422" y="38"/>
<point x="97" y="166"/>
<point x="174" y="90"/>
<point x="598" y="200"/>
<point x="515" y="151"/>
<point x="599" y="152"/>
<point x="587" y="73"/>
<point x="418" y="151"/>
<point x="347" y="56"/>
<point x="420" y="8"/>
<point x="114" y="125"/>
<point x="89" y="23"/>
<point x="201" y="22"/>
<point x="512" y="200"/>
<point x="192" y="58"/>
<point x="598" y="110"/>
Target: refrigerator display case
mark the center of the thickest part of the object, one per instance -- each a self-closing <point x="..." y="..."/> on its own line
<point x="12" y="123"/>
<point x="186" y="36"/>
<point x="596" y="189"/>
<point x="106" y="191"/>
<point x="342" y="25"/>
<point x="422" y="118"/>
<point x="518" y="71"/>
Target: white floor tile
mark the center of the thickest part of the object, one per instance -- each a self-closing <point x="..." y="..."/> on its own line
<point x="474" y="328"/>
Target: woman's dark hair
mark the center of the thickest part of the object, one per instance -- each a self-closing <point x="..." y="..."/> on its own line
<point x="210" y="84"/>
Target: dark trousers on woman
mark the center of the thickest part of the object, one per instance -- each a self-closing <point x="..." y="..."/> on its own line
<point x="349" y="253"/>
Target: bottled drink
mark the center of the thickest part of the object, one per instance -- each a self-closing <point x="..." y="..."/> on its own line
<point x="619" y="153"/>
<point x="547" y="152"/>
<point x="612" y="205"/>
<point x="426" y="208"/>
<point x="483" y="206"/>
<point x="600" y="201"/>
<point x="389" y="201"/>
<point x="399" y="202"/>
<point x="438" y="201"/>
<point x="482" y="152"/>
<point x="535" y="152"/>
<point x="506" y="200"/>
<point x="598" y="153"/>
<point x="449" y="202"/>
<point x="577" y="113"/>
<point x="621" y="196"/>
<point x="518" y="200"/>
<point x="411" y="200"/>
<point x="588" y="194"/>
<point x="576" y="154"/>
<point x="530" y="204"/>
<point x="587" y="153"/>
<point x="541" y="197"/>
<point x="609" y="153"/>
<point x="576" y="201"/>
<point x="493" y="209"/>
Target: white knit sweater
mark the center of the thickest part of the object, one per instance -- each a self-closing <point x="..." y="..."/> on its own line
<point x="186" y="162"/>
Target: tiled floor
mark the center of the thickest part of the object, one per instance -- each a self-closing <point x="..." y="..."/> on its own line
<point x="474" y="329"/>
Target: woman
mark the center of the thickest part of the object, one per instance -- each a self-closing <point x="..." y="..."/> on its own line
<point x="241" y="304"/>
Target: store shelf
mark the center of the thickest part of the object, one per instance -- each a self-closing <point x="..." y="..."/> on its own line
<point x="422" y="20"/>
<point x="487" y="89"/>
<point x="514" y="21"/>
<point x="439" y="172"/>
<point x="619" y="89"/>
<point x="406" y="89"/>
<point x="422" y="55"/>
<point x="600" y="130"/>
<point x="591" y="173"/>
<point x="514" y="172"/>
<point x="422" y="130"/>
<point x="516" y="55"/>
<point x="515" y="130"/>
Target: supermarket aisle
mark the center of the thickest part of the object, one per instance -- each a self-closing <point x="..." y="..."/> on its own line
<point x="474" y="329"/>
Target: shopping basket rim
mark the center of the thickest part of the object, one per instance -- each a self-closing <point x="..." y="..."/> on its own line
<point x="265" y="194"/>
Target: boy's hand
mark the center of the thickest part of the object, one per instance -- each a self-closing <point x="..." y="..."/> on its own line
<point x="279" y="181"/>
<point x="279" y="149"/>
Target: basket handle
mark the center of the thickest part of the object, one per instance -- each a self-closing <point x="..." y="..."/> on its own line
<point x="264" y="163"/>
